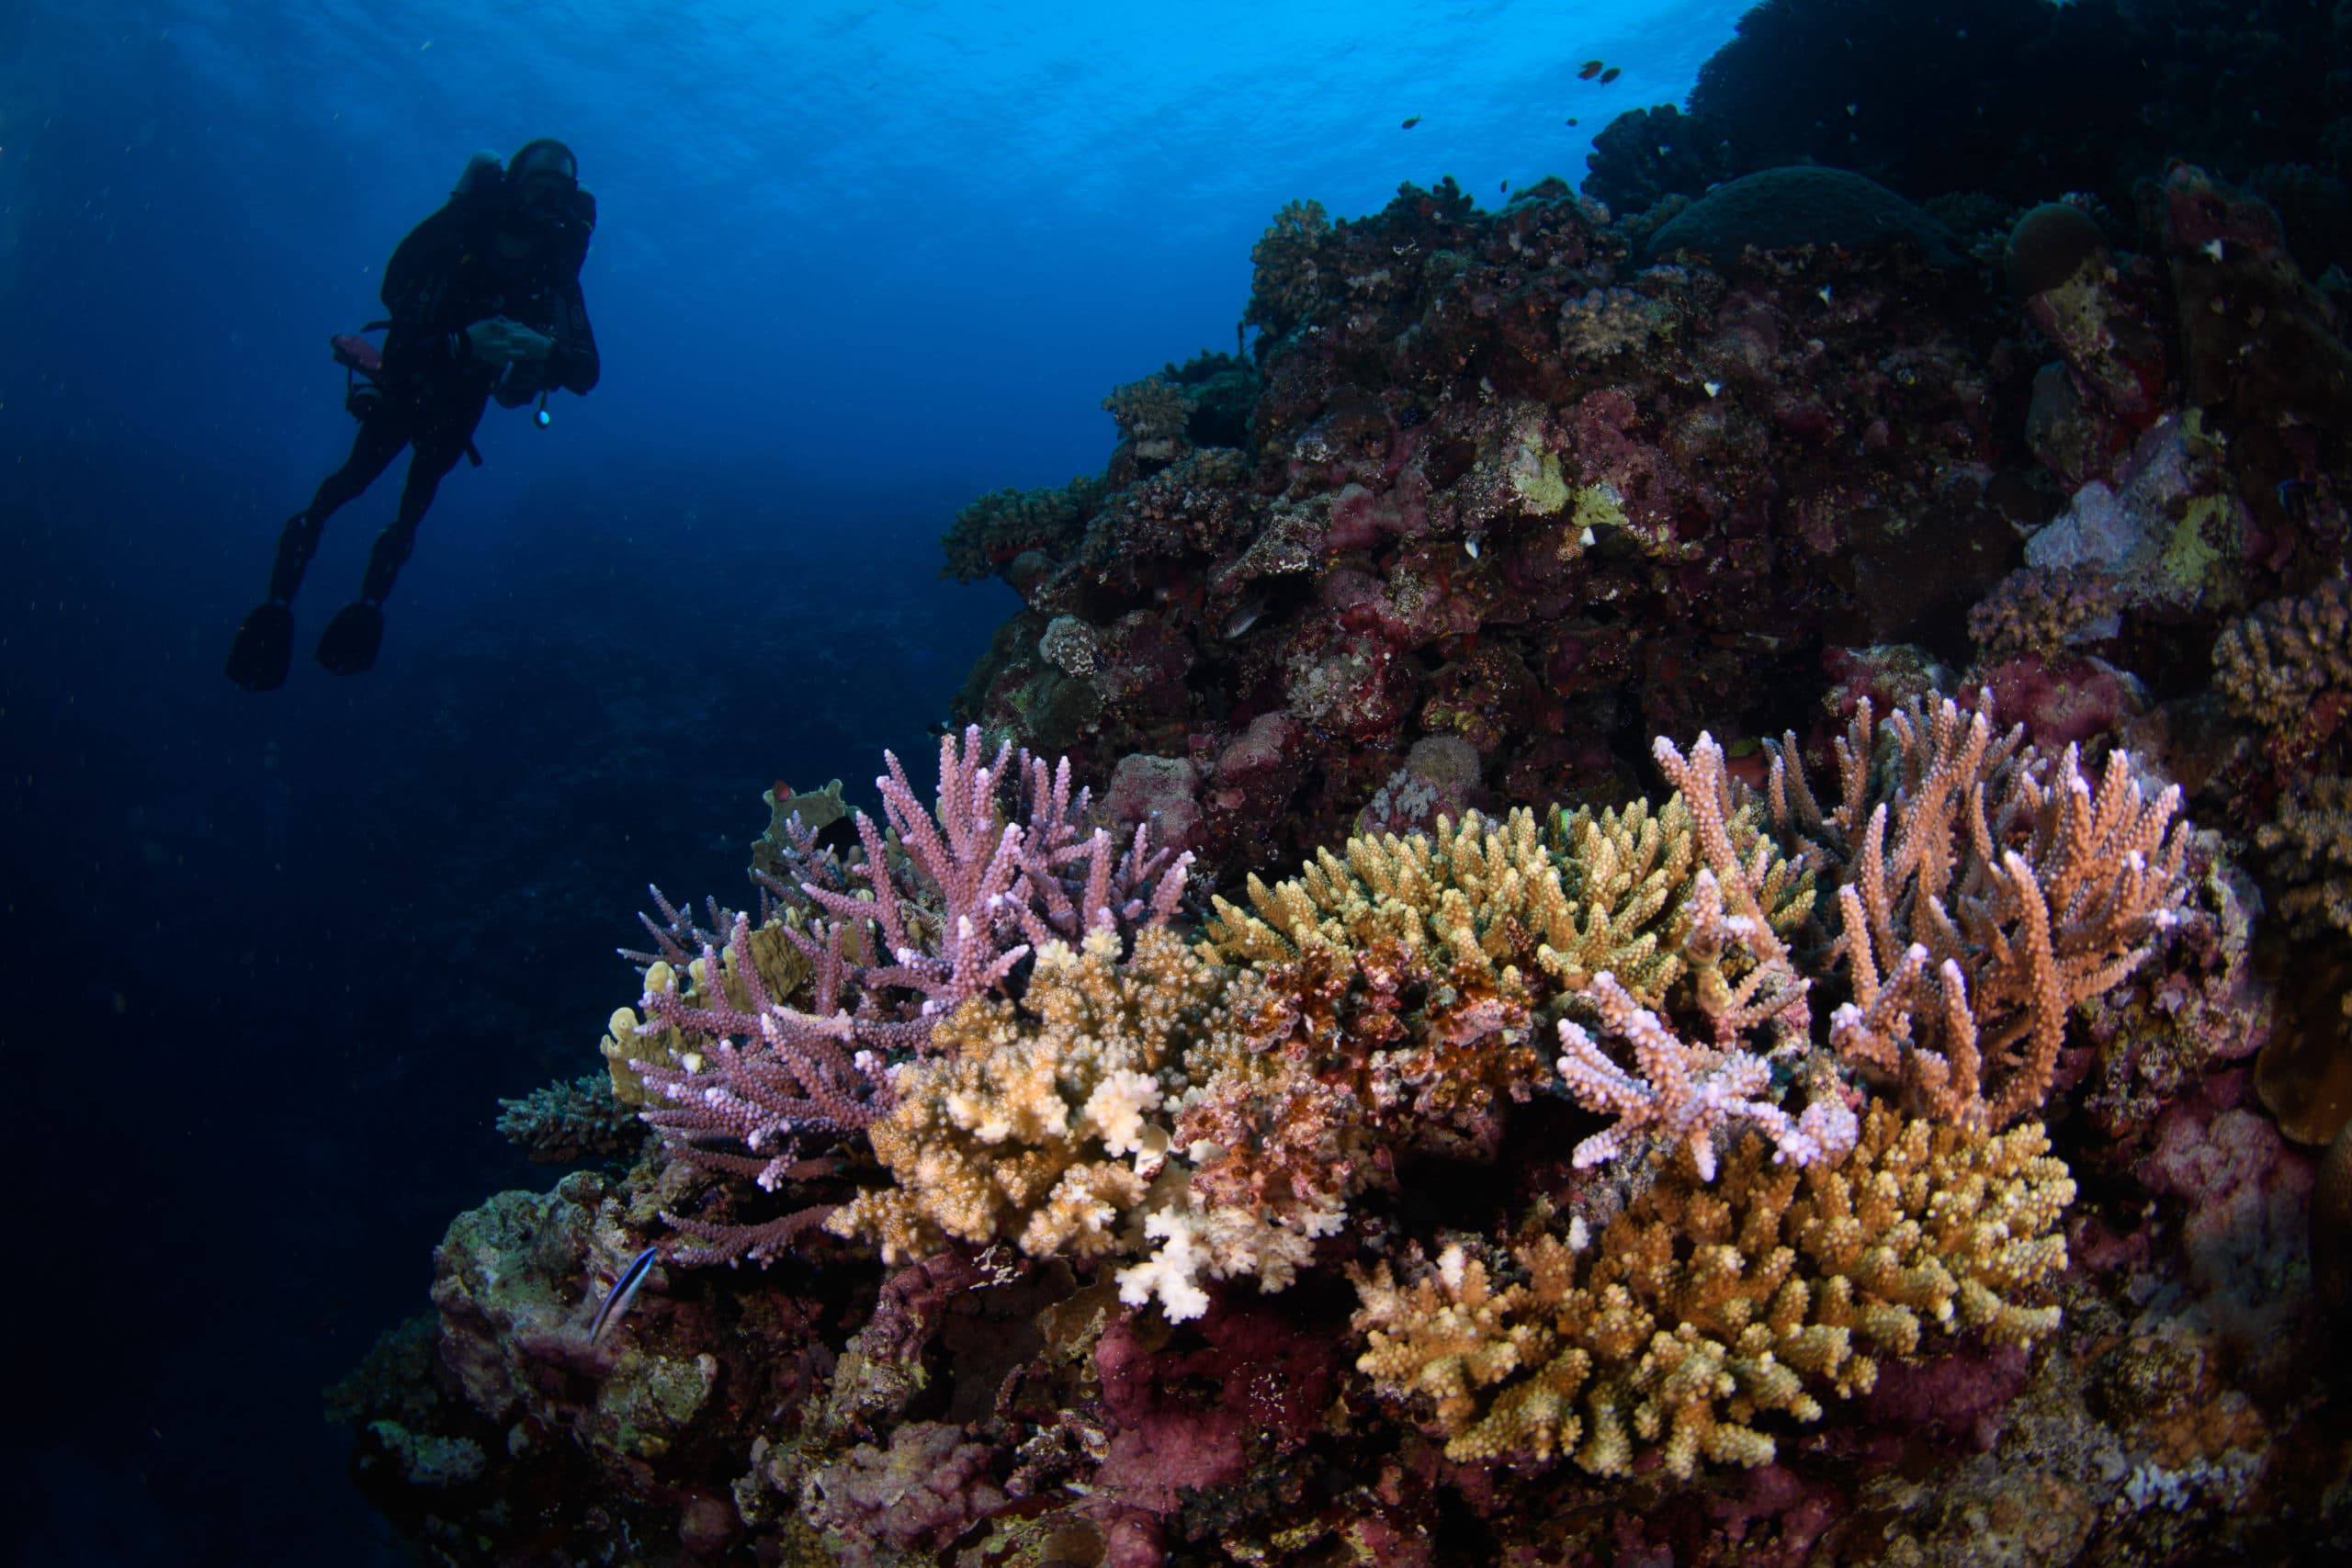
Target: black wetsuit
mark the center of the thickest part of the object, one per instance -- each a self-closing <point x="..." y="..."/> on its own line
<point x="446" y="276"/>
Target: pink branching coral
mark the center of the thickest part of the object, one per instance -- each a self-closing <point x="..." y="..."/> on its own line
<point x="2012" y="890"/>
<point x="1741" y="908"/>
<point x="1687" y="1091"/>
<point x="986" y="890"/>
<point x="792" y="1074"/>
<point x="1744" y="978"/>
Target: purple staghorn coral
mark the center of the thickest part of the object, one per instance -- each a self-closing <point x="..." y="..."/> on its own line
<point x="791" y="1075"/>
<point x="955" y="899"/>
<point x="986" y="890"/>
<point x="1688" y="1090"/>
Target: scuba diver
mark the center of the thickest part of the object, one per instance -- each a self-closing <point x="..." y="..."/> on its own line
<point x="484" y="300"/>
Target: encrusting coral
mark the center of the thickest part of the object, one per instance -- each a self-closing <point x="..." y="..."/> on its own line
<point x="1702" y="1310"/>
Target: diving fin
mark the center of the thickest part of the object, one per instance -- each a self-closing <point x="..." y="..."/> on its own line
<point x="265" y="643"/>
<point x="349" y="646"/>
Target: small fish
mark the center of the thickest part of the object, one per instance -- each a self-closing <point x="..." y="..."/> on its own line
<point x="1591" y="69"/>
<point x="1853" y="108"/>
<point x="1714" y="389"/>
<point x="1572" y="120"/>
<point x="1471" y="547"/>
<point x="1610" y="75"/>
<point x="1824" y="292"/>
<point x="2211" y="248"/>
<point x="1245" y="614"/>
<point x="1412" y="122"/>
<point x="624" y="1292"/>
<point x="1506" y="187"/>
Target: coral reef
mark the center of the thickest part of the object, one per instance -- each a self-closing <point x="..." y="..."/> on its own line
<point x="1551" y="1166"/>
<point x="1059" y="1152"/>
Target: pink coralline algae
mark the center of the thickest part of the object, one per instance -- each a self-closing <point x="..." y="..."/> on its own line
<point x="918" y="1495"/>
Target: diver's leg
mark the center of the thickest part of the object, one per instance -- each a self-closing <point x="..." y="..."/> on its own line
<point x="265" y="640"/>
<point x="379" y="440"/>
<point x="435" y="454"/>
<point x="352" y="638"/>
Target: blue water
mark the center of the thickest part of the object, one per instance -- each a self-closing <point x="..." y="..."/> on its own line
<point x="272" y="959"/>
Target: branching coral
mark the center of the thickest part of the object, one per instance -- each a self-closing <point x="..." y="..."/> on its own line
<point x="1030" y="1122"/>
<point x="972" y="894"/>
<point x="2287" y="667"/>
<point x="1285" y="283"/>
<point x="1704" y="1310"/>
<point x="1415" y="961"/>
<point x="1750" y="898"/>
<point x="2039" y="610"/>
<point x="980" y="887"/>
<point x="1685" y="1092"/>
<point x="2012" y="891"/>
<point x="565" y="1121"/>
<point x="2311" y="845"/>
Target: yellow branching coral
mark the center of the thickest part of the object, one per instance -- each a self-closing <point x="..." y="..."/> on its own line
<point x="2274" y="666"/>
<point x="1622" y="871"/>
<point x="1033" y="1122"/>
<point x="1412" y="957"/>
<point x="1410" y="968"/>
<point x="2311" y="846"/>
<point x="1704" y="1309"/>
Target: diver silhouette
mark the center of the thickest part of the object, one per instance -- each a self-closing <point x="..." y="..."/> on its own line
<point x="484" y="301"/>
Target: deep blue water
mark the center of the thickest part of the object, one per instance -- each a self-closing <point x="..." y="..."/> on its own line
<point x="272" y="959"/>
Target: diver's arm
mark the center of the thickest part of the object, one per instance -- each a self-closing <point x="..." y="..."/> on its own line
<point x="420" y="266"/>
<point x="573" y="363"/>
